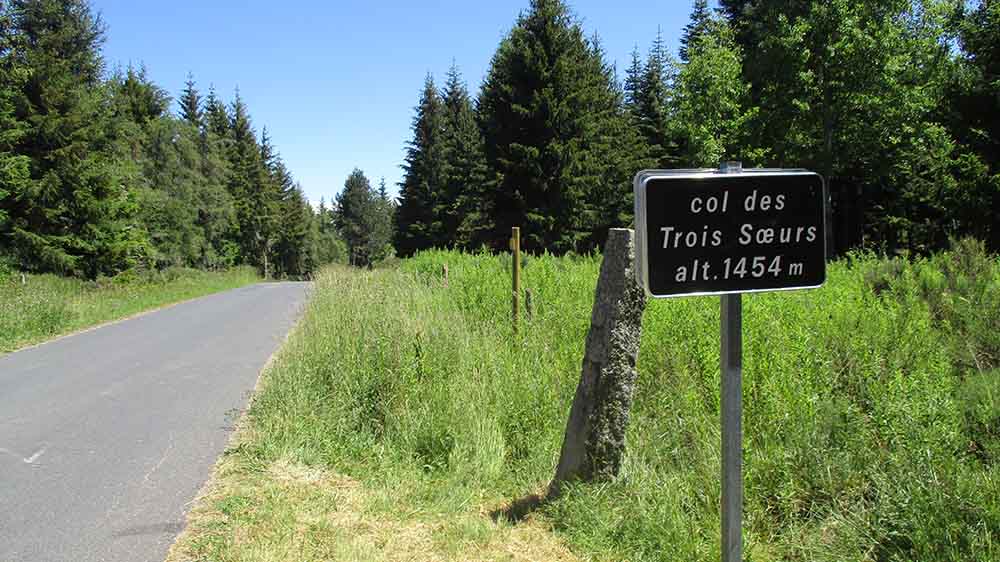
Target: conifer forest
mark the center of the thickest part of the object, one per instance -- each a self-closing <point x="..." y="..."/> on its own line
<point x="894" y="102"/>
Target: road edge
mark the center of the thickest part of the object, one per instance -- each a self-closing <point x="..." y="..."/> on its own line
<point x="139" y="314"/>
<point x="240" y="427"/>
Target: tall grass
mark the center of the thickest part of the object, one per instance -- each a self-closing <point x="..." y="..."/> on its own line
<point x="871" y="407"/>
<point x="45" y="306"/>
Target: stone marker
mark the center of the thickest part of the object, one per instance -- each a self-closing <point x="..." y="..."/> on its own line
<point x="595" y="434"/>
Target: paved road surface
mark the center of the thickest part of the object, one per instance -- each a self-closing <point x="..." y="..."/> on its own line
<point x="106" y="436"/>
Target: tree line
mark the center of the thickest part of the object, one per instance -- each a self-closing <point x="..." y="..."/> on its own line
<point x="97" y="175"/>
<point x="893" y="102"/>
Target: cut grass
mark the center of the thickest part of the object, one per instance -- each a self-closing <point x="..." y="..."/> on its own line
<point x="288" y="512"/>
<point x="48" y="306"/>
<point x="403" y="413"/>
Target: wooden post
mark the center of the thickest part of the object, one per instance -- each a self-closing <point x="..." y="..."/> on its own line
<point x="444" y="272"/>
<point x="594" y="442"/>
<point x="515" y="247"/>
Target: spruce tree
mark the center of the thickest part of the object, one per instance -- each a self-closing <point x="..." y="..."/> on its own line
<point x="254" y="193"/>
<point x="218" y="218"/>
<point x="978" y="105"/>
<point x="169" y="194"/>
<point x="355" y="212"/>
<point x="14" y="168"/>
<point x="321" y="215"/>
<point x="190" y="103"/>
<point x="294" y="245"/>
<point x="216" y="211"/>
<point x="330" y="247"/>
<point x="140" y="100"/>
<point x="418" y="218"/>
<point x="293" y="248"/>
<point x="380" y="224"/>
<point x="268" y="157"/>
<point x="547" y="112"/>
<point x="699" y="25"/>
<point x="976" y="101"/>
<point x="633" y="82"/>
<point x="464" y="217"/>
<point x="623" y="148"/>
<point x="217" y="119"/>
<point x="652" y="115"/>
<point x="71" y="214"/>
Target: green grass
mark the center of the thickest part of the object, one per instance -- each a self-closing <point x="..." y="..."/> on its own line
<point x="871" y="418"/>
<point x="47" y="306"/>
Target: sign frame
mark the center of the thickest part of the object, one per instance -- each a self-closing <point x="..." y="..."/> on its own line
<point x="640" y="187"/>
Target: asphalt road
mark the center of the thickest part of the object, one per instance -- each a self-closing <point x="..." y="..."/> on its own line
<point x="106" y="436"/>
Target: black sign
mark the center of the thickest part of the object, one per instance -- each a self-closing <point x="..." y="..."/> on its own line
<point x="713" y="233"/>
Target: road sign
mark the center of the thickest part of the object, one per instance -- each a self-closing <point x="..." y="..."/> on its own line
<point x="707" y="232"/>
<point x="727" y="232"/>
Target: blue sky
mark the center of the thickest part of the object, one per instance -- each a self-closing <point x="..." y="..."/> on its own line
<point x="335" y="82"/>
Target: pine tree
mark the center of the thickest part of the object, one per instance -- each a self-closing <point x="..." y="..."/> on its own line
<point x="464" y="217"/>
<point x="546" y="110"/>
<point x="383" y="192"/>
<point x="71" y="214"/>
<point x="418" y="218"/>
<point x="190" y="103"/>
<point x="183" y="203"/>
<point x="294" y="247"/>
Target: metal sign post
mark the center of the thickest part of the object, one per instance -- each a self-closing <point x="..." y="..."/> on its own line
<point x="727" y="232"/>
<point x="731" y="357"/>
<point x="731" y="406"/>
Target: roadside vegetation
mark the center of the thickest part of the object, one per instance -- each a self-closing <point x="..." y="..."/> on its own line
<point x="101" y="171"/>
<point x="403" y="415"/>
<point x="34" y="308"/>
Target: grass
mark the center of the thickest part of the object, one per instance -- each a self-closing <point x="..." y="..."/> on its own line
<point x="403" y="412"/>
<point x="47" y="306"/>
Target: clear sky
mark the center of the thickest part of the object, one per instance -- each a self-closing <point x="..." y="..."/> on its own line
<point x="335" y="82"/>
